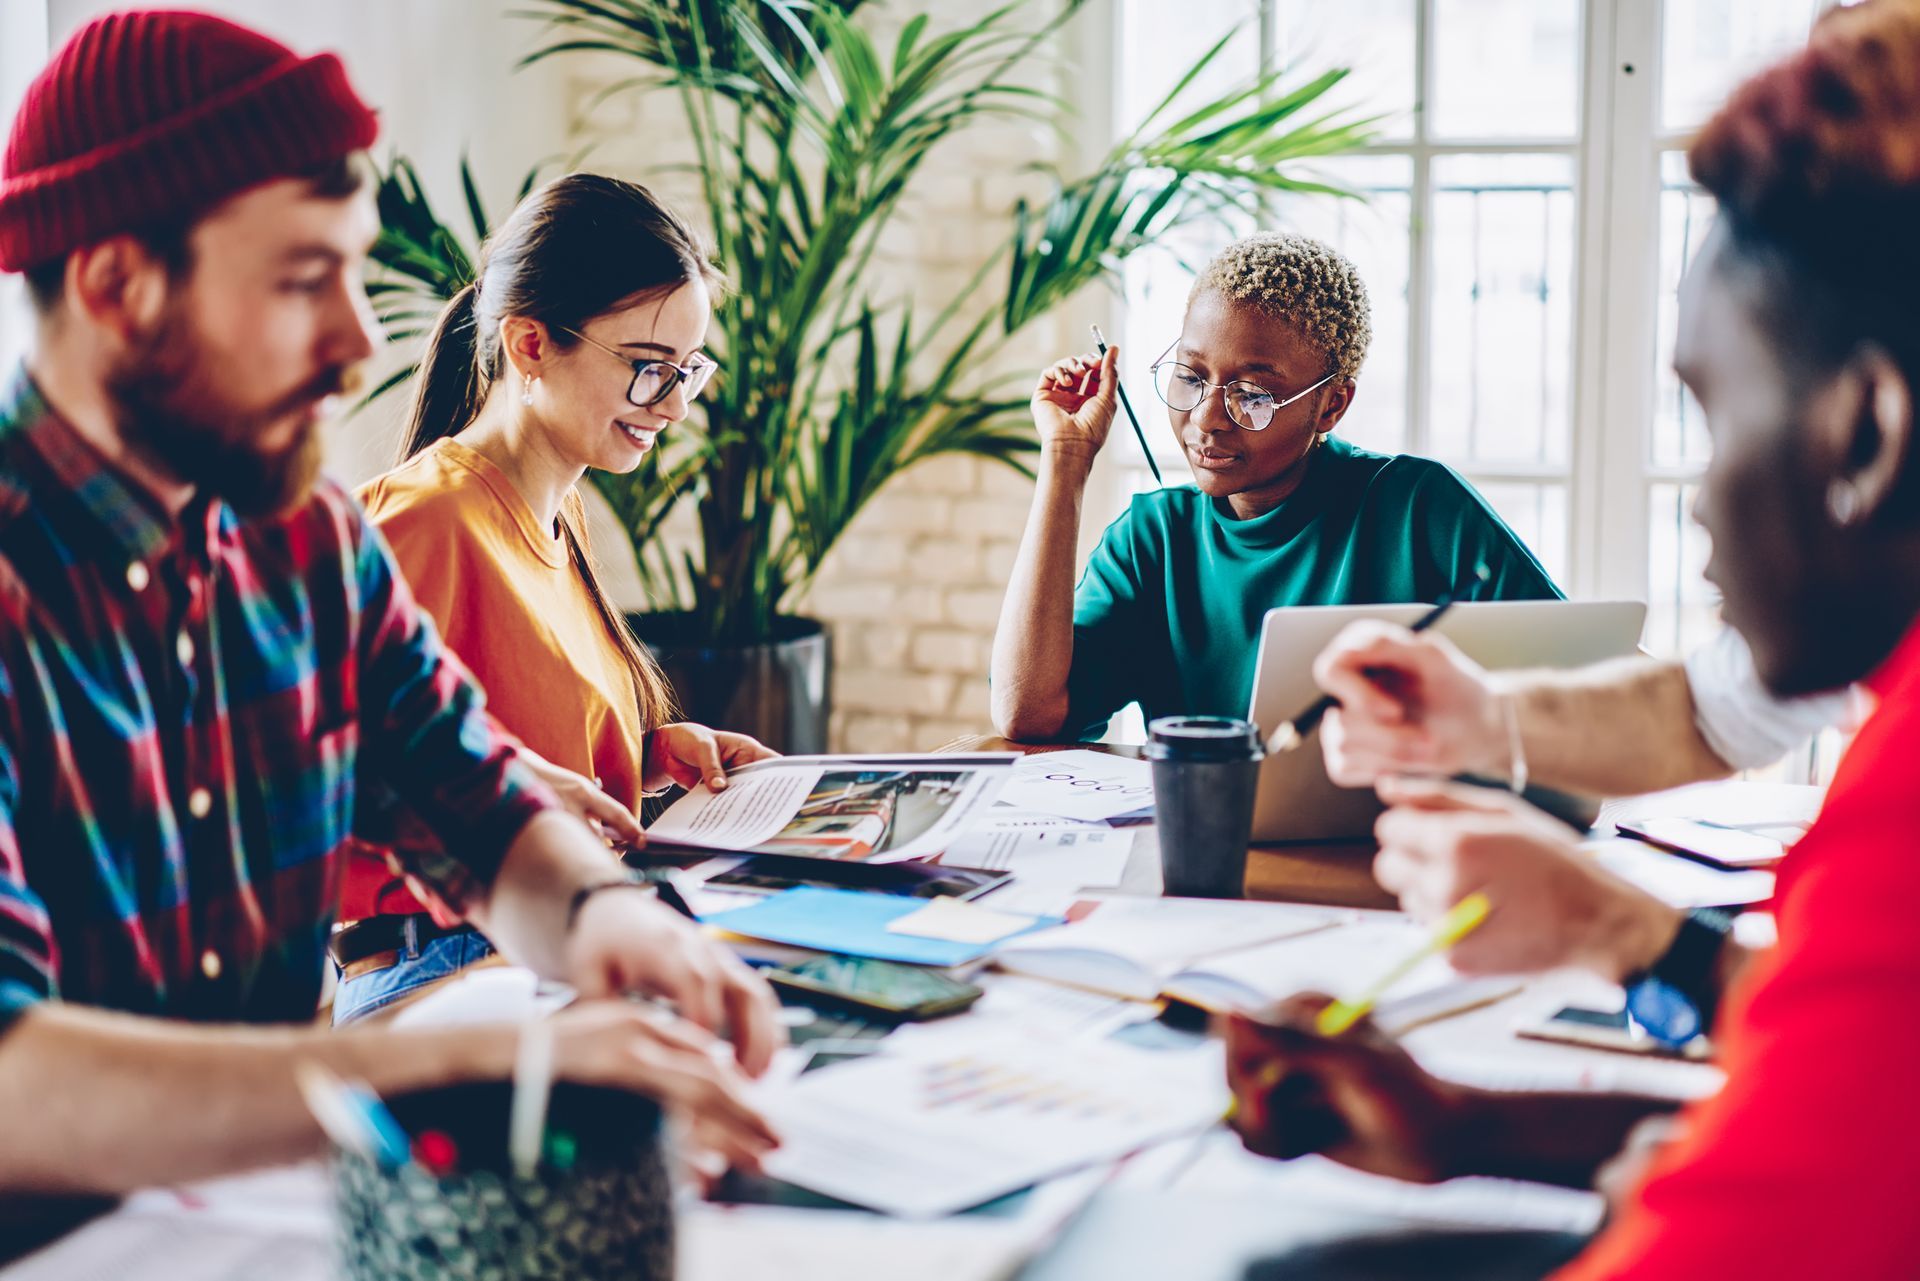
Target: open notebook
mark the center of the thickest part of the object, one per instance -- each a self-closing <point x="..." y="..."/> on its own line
<point x="1133" y="947"/>
<point x="1244" y="956"/>
<point x="1342" y="961"/>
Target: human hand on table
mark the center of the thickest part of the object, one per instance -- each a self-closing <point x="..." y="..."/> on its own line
<point x="1409" y="704"/>
<point x="690" y="755"/>
<point x="647" y="1050"/>
<point x="625" y="942"/>
<point x="1357" y="1098"/>
<point x="1553" y="905"/>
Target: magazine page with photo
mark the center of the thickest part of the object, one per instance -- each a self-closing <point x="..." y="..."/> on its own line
<point x="860" y="809"/>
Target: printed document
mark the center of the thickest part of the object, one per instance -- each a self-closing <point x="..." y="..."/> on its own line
<point x="1049" y="851"/>
<point x="872" y="809"/>
<point x="1080" y="784"/>
<point x="923" y="1133"/>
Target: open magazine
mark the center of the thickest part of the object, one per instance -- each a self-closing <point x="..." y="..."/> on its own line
<point x="862" y="809"/>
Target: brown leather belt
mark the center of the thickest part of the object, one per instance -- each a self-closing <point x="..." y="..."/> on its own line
<point x="378" y="942"/>
<point x="369" y="965"/>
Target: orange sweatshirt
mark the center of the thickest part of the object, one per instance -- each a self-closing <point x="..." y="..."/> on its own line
<point x="509" y="602"/>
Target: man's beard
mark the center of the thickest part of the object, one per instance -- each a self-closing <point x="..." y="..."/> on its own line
<point x="174" y="417"/>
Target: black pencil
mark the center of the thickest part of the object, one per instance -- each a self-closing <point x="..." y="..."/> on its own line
<point x="1100" y="340"/>
<point x="1291" y="734"/>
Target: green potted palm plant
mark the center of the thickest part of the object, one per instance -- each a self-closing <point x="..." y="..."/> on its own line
<point x="806" y="136"/>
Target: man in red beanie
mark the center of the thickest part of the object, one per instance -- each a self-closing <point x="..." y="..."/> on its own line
<point x="206" y="655"/>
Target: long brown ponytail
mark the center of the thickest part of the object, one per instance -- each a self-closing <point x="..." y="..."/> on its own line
<point x="579" y="247"/>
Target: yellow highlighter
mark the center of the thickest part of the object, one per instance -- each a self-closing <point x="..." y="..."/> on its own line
<point x="1464" y="917"/>
<point x="1462" y="920"/>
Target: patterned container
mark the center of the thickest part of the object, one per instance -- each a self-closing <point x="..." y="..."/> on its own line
<point x="608" y="1212"/>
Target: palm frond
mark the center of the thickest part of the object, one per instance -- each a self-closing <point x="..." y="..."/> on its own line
<point x="809" y="136"/>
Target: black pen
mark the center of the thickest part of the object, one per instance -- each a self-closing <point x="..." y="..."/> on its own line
<point x="670" y="895"/>
<point x="661" y="878"/>
<point x="1100" y="341"/>
<point x="1292" y="733"/>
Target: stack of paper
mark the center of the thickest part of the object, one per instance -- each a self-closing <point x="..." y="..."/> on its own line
<point x="1132" y="946"/>
<point x="867" y="809"/>
<point x="275" y="1222"/>
<point x="1342" y="962"/>
<point x="1677" y="881"/>
<point x="1084" y="785"/>
<point x="1224" y="1169"/>
<point x="737" y="1242"/>
<point x="1244" y="956"/>
<point x="1738" y="804"/>
<point x="948" y="932"/>
<point x="921" y="1133"/>
<point x="1039" y="848"/>
<point x="753" y="1242"/>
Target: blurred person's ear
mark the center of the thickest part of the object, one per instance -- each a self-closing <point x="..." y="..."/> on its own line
<point x="119" y="285"/>
<point x="1862" y="427"/>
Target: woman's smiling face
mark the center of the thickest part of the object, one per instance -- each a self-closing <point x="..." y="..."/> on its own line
<point x="584" y="389"/>
<point x="1222" y="341"/>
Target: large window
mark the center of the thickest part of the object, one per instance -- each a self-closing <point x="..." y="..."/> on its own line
<point x="1527" y="221"/>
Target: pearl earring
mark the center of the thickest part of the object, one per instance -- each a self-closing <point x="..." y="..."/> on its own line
<point x="1843" y="503"/>
<point x="526" y="397"/>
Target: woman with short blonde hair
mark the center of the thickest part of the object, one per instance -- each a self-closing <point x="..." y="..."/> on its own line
<point x="1281" y="511"/>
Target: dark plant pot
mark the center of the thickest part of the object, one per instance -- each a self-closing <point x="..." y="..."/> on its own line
<point x="779" y="690"/>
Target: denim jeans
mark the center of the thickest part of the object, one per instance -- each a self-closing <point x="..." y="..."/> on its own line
<point x="418" y="965"/>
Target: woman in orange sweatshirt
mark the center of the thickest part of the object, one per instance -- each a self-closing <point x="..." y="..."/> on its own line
<point x="578" y="344"/>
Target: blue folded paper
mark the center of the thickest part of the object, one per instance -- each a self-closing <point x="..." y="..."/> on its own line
<point x="853" y="923"/>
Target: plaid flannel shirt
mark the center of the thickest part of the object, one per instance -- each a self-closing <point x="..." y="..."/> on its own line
<point x="189" y="710"/>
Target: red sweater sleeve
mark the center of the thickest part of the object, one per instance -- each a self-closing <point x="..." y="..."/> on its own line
<point x="1807" y="1163"/>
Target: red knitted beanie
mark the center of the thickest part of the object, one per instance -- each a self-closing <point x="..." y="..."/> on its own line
<point x="159" y="115"/>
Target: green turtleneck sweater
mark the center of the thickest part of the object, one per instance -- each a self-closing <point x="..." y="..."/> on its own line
<point x="1168" y="612"/>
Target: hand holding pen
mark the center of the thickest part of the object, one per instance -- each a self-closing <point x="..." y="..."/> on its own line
<point x="1290" y="734"/>
<point x="1146" y="450"/>
<point x="1315" y="1075"/>
<point x="1075" y="401"/>
<point x="1358" y="1098"/>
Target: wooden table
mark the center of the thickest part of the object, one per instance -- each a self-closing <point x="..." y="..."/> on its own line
<point x="1337" y="875"/>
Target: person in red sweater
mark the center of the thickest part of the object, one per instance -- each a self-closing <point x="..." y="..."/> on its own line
<point x="1800" y="337"/>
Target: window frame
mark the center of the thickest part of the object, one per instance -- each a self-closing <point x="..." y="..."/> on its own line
<point x="1610" y="471"/>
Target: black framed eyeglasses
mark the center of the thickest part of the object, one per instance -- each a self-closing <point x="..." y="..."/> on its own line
<point x="1249" y="405"/>
<point x="654" y="380"/>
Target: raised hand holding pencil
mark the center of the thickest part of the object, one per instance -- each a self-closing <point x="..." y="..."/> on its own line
<point x="1139" y="434"/>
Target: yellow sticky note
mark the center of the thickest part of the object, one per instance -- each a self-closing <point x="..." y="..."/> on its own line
<point x="957" y="921"/>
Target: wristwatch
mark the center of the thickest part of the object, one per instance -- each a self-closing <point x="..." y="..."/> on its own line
<point x="657" y="881"/>
<point x="585" y="892"/>
<point x="1674" y="999"/>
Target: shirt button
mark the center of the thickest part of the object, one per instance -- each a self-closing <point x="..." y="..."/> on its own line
<point x="210" y="963"/>
<point x="138" y="577"/>
<point x="184" y="648"/>
<point x="200" y="802"/>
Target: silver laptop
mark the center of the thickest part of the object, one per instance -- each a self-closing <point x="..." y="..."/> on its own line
<point x="1296" y="799"/>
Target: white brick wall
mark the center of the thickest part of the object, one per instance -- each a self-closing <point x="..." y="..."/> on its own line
<point x="913" y="589"/>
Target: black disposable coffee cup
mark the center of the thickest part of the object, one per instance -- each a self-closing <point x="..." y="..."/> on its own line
<point x="1205" y="769"/>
